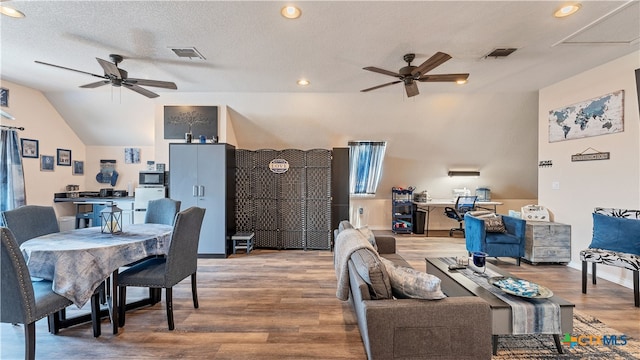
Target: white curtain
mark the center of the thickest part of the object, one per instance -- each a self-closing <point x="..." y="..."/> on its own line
<point x="12" y="194"/>
<point x="365" y="166"/>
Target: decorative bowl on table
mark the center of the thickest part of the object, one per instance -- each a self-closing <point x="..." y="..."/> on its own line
<point x="520" y="287"/>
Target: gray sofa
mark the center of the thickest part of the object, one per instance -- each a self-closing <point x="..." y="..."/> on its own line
<point x="407" y="328"/>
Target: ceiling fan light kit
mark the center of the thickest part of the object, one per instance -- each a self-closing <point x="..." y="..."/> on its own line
<point x="410" y="75"/>
<point x="119" y="77"/>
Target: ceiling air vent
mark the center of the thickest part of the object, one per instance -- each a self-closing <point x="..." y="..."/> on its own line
<point x="187" y="52"/>
<point x="500" y="53"/>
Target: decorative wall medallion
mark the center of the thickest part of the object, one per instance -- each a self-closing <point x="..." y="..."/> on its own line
<point x="279" y="166"/>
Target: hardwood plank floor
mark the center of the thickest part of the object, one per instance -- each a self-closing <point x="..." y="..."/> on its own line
<point x="281" y="305"/>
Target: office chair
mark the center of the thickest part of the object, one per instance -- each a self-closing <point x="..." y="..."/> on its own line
<point x="463" y="204"/>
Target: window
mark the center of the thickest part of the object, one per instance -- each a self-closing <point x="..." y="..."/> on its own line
<point x="365" y="166"/>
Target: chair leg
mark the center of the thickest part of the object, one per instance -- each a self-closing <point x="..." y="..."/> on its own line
<point x="593" y="273"/>
<point x="122" y="304"/>
<point x="95" y="313"/>
<point x="30" y="341"/>
<point x="169" y="296"/>
<point x="518" y="261"/>
<point x="584" y="277"/>
<point x="636" y="288"/>
<point x="194" y="290"/>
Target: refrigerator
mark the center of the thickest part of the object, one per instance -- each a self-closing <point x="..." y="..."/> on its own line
<point x="142" y="197"/>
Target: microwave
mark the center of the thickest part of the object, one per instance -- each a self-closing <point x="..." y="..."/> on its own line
<point x="151" y="178"/>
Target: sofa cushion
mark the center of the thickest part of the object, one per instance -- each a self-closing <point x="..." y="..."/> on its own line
<point x="616" y="234"/>
<point x="409" y="283"/>
<point x="367" y="233"/>
<point x="494" y="224"/>
<point x="373" y="272"/>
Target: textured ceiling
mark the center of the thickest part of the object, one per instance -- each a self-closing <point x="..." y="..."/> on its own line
<point x="250" y="48"/>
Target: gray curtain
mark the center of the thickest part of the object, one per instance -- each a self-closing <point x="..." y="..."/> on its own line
<point x="12" y="193"/>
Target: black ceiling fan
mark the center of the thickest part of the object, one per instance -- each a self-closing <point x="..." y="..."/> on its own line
<point x="119" y="77"/>
<point x="411" y="74"/>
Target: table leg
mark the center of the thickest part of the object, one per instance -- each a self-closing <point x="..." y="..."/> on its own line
<point x="114" y="301"/>
<point x="556" y="339"/>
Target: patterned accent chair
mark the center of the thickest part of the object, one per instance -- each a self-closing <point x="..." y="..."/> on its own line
<point x="615" y="242"/>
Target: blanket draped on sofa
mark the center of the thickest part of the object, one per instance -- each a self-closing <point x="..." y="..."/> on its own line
<point x="347" y="241"/>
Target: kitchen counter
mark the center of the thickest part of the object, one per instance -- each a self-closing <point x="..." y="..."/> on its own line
<point x="94" y="199"/>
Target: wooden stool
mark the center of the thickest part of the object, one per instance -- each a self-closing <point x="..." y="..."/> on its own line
<point x="242" y="240"/>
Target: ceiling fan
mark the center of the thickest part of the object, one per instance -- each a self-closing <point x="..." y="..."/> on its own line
<point x="410" y="74"/>
<point x="119" y="77"/>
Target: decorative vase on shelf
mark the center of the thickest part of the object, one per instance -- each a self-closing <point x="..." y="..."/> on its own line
<point x="188" y="137"/>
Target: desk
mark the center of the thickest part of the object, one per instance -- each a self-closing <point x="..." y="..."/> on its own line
<point x="77" y="261"/>
<point x="441" y="203"/>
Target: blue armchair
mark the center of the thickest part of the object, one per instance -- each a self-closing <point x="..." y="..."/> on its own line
<point x="496" y="244"/>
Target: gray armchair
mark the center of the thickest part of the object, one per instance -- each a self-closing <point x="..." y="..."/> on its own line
<point x="24" y="302"/>
<point x="30" y="221"/>
<point x="180" y="262"/>
<point x="162" y="211"/>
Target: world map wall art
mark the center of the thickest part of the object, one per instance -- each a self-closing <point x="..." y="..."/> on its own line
<point x="598" y="116"/>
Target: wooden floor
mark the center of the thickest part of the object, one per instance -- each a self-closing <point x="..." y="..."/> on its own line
<point x="281" y="305"/>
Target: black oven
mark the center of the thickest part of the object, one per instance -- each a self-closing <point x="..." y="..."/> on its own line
<point x="151" y="178"/>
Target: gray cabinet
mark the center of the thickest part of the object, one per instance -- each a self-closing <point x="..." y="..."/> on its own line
<point x="203" y="175"/>
<point x="547" y="242"/>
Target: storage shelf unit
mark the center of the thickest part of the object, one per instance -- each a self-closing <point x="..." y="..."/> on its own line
<point x="401" y="210"/>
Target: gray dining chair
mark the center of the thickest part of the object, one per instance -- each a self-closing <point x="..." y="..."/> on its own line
<point x="23" y="301"/>
<point x="162" y="211"/>
<point x="30" y="221"/>
<point x="163" y="273"/>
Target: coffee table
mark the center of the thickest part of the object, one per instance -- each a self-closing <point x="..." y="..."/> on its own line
<point x="454" y="283"/>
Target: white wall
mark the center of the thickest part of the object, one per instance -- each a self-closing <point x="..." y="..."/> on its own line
<point x="588" y="184"/>
<point x="43" y="123"/>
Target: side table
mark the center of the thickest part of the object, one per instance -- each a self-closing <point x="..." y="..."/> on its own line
<point x="242" y="240"/>
<point x="547" y="242"/>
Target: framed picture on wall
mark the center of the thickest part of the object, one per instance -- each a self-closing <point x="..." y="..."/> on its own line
<point x="29" y="148"/>
<point x="46" y="163"/>
<point x="78" y="167"/>
<point x="64" y="157"/>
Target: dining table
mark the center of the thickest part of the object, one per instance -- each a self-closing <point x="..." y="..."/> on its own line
<point x="78" y="261"/>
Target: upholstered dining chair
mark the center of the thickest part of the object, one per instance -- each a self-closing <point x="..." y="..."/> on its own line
<point x="30" y="221"/>
<point x="181" y="261"/>
<point x="23" y="301"/>
<point x="162" y="211"/>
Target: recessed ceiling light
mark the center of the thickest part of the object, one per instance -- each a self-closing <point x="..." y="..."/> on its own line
<point x="303" y="82"/>
<point x="567" y="10"/>
<point x="290" y="12"/>
<point x="11" y="12"/>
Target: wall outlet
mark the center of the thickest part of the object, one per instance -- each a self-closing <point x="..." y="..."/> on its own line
<point x="555" y="185"/>
<point x="360" y="211"/>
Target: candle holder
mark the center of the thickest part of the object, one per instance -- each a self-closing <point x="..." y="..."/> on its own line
<point x="111" y="220"/>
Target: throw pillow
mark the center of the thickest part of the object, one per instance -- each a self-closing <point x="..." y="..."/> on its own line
<point x="367" y="233"/>
<point x="616" y="234"/>
<point x="373" y="272"/>
<point x="409" y="283"/>
<point x="494" y="224"/>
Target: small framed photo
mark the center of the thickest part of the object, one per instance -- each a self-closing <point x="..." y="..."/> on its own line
<point x="78" y="167"/>
<point x="64" y="157"/>
<point x="46" y="163"/>
<point x="29" y="148"/>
